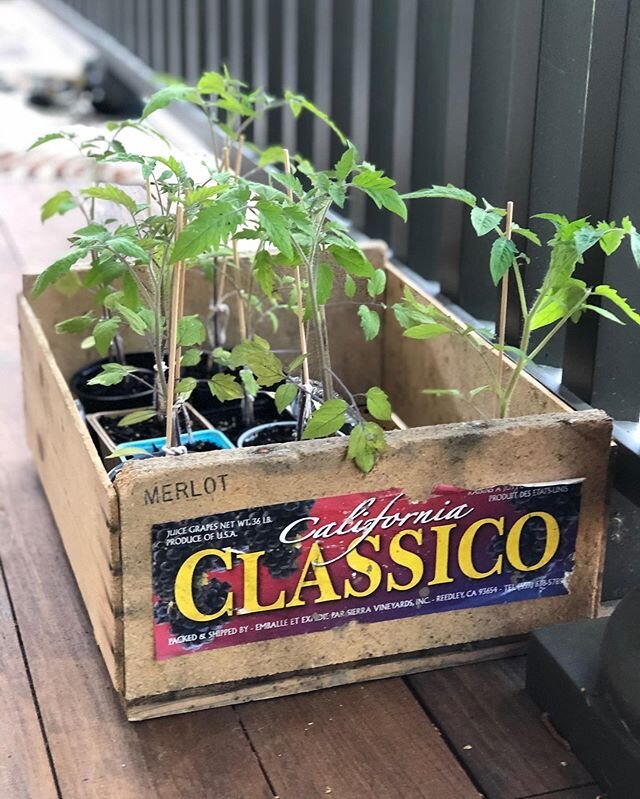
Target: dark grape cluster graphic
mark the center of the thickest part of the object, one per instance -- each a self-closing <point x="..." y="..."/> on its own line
<point x="565" y="508"/>
<point x="210" y="593"/>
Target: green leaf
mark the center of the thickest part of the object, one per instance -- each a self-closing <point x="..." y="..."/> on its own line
<point x="369" y="322"/>
<point x="378" y="404"/>
<point x="136" y="417"/>
<point x="272" y="155"/>
<point x="549" y="311"/>
<point x="69" y="284"/>
<point x="346" y="162"/>
<point x="526" y="233"/>
<point x="167" y="95"/>
<point x="352" y="260"/>
<point x="224" y="387"/>
<point x="612" y="295"/>
<point x="263" y="363"/>
<point x="448" y="192"/>
<point x="211" y="227"/>
<point x="127" y="452"/>
<point x="634" y="240"/>
<point x="296" y="363"/>
<point x="129" y="248"/>
<point x="191" y="358"/>
<point x="285" y="395"/>
<point x="75" y="324"/>
<point x="349" y="286"/>
<point x="60" y="203"/>
<point x="377" y="283"/>
<point x="442" y="392"/>
<point x="611" y="240"/>
<point x="366" y="443"/>
<point x="104" y="333"/>
<point x="503" y="252"/>
<point x="425" y="331"/>
<point x="274" y="222"/>
<point x="326" y="420"/>
<point x="185" y="387"/>
<point x="47" y="138"/>
<point x="57" y="269"/>
<point x="324" y="283"/>
<point x="263" y="271"/>
<point x="211" y="83"/>
<point x="586" y="237"/>
<point x="134" y="320"/>
<point x="603" y="312"/>
<point x="478" y="390"/>
<point x="485" y="220"/>
<point x="201" y="193"/>
<point x="190" y="331"/>
<point x="111" y="374"/>
<point x="297" y="103"/>
<point x="564" y="259"/>
<point x="249" y="382"/>
<point x="88" y="343"/>
<point x="111" y="194"/>
<point x="556" y="220"/>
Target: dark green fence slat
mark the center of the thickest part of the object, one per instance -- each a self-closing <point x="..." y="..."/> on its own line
<point x="360" y="93"/>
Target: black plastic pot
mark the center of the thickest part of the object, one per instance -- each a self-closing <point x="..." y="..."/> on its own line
<point x="128" y="394"/>
<point x="270" y="433"/>
<point x="227" y="416"/>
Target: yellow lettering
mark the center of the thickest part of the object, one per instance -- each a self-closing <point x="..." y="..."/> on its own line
<point x="551" y="545"/>
<point x="409" y="560"/>
<point x="441" y="567"/>
<point x="251" y="601"/>
<point x="366" y="566"/>
<point x="184" y="586"/>
<point x="320" y="579"/>
<point x="465" y="553"/>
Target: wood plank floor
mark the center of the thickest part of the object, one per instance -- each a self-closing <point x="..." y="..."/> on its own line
<point x="454" y="734"/>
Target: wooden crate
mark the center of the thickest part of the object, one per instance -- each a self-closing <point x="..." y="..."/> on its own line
<point x="107" y="528"/>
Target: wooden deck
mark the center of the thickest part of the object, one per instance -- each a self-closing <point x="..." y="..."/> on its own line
<point x="454" y="734"/>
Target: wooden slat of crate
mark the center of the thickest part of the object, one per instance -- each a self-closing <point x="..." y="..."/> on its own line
<point x="80" y="494"/>
<point x="542" y="448"/>
<point x="359" y="741"/>
<point x="496" y="730"/>
<point x="443" y="363"/>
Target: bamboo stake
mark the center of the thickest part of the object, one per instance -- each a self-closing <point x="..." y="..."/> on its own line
<point x="504" y="296"/>
<point x="302" y="333"/>
<point x="174" y="352"/>
<point x="242" y="319"/>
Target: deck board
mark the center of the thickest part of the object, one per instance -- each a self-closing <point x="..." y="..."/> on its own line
<point x="481" y="709"/>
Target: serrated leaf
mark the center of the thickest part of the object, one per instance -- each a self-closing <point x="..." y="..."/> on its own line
<point x="612" y="295"/>
<point x="134" y="320"/>
<point x="76" y="324"/>
<point x="274" y="222"/>
<point x="191" y="358"/>
<point x="349" y="286"/>
<point x="586" y="237"/>
<point x="526" y="233"/>
<point x="249" y="382"/>
<point x="378" y="404"/>
<point x="224" y="387"/>
<point x="127" y="452"/>
<point x="111" y="374"/>
<point x="111" y="194"/>
<point x="326" y="420"/>
<point x="212" y="226"/>
<point x="104" y="333"/>
<point x="190" y="331"/>
<point x="352" y="260"/>
<point x="346" y="162"/>
<point x="634" y="241"/>
<point x="47" y="138"/>
<point x="285" y="395"/>
<point x="168" y="94"/>
<point x="298" y="102"/>
<point x="611" y="240"/>
<point x="60" y="203"/>
<point x="296" y="363"/>
<point x="201" y="193"/>
<point x="263" y="271"/>
<point x="369" y="322"/>
<point x="211" y="83"/>
<point x="272" y="155"/>
<point x="136" y="417"/>
<point x="255" y="356"/>
<point x="603" y="312"/>
<point x="129" y="248"/>
<point x="503" y="251"/>
<point x="485" y="220"/>
<point x="57" y="269"/>
<point x="377" y="283"/>
<point x="324" y="283"/>
<point x="448" y="192"/>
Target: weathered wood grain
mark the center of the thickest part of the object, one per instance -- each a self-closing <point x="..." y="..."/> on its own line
<point x="358" y="741"/>
<point x="497" y="731"/>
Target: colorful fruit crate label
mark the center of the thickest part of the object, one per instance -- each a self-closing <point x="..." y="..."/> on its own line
<point x="300" y="567"/>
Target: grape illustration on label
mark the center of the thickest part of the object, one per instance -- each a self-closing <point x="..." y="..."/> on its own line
<point x="300" y="567"/>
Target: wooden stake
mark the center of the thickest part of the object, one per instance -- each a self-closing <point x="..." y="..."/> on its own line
<point x="174" y="352"/>
<point x="504" y="296"/>
<point x="302" y="333"/>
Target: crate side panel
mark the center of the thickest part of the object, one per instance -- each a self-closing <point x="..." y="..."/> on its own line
<point x="472" y="455"/>
<point x="82" y="500"/>
<point x="447" y="362"/>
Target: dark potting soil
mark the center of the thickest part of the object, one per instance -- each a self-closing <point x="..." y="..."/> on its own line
<point x="130" y="393"/>
<point x="152" y="428"/>
<point x="198" y="446"/>
<point x="273" y="435"/>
